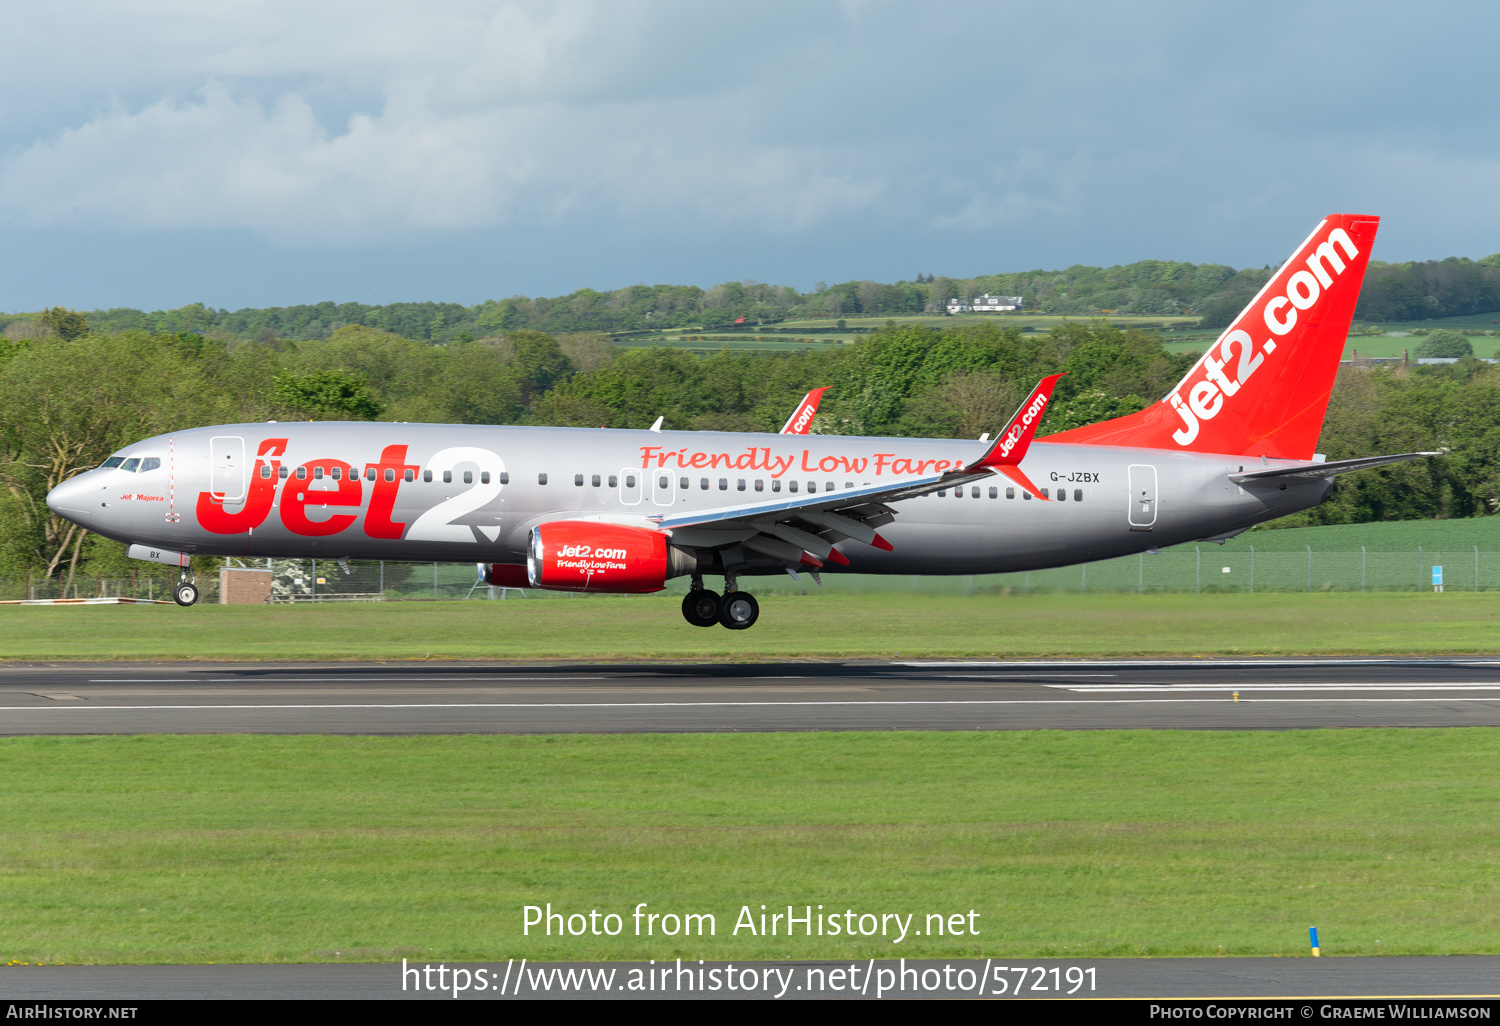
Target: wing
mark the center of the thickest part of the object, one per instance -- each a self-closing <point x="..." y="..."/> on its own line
<point x="804" y="529"/>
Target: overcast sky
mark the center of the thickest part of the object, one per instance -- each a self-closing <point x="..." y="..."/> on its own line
<point x="253" y="153"/>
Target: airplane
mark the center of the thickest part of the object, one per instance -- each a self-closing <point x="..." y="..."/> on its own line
<point x="623" y="511"/>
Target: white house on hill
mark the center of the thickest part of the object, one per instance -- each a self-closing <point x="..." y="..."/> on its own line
<point x="985" y="304"/>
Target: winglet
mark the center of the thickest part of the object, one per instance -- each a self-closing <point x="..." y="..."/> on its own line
<point x="1009" y="447"/>
<point x="802" y="417"/>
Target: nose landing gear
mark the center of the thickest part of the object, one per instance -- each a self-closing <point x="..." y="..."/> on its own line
<point x="186" y="592"/>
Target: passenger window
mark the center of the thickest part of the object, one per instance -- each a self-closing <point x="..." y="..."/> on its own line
<point x="338" y="473"/>
<point x="760" y="485"/>
<point x="994" y="493"/>
<point x="302" y="473"/>
<point x="943" y="494"/>
<point x="1025" y="495"/>
<point x="112" y="462"/>
<point x="150" y="463"/>
<point x="265" y="470"/>
<point x="776" y="486"/>
<point x="703" y="483"/>
<point x="828" y="486"/>
<point x="408" y="475"/>
<point x="1010" y="493"/>
<point x="723" y="484"/>
<point x="283" y="472"/>
<point x="505" y="477"/>
<point x="974" y="492"/>
<point x="577" y="480"/>
<point x="791" y="486"/>
<point x="541" y="479"/>
<point x="684" y="484"/>
<point x="664" y="482"/>
<point x="129" y="465"/>
<point x="317" y="473"/>
<point x="468" y="477"/>
<point x="629" y="480"/>
<point x="447" y="477"/>
<point x="613" y="481"/>
<point x="812" y="486"/>
<point x="739" y="485"/>
<point x="390" y="473"/>
<point x="1044" y="493"/>
<point x="1062" y="495"/>
<point x="484" y="477"/>
<point x="594" y="480"/>
<point x="1077" y="494"/>
<point x="369" y="473"/>
<point x="426" y="476"/>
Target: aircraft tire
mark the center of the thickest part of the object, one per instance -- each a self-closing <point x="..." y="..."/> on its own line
<point x="185" y="594"/>
<point x="701" y="607"/>
<point x="738" y="610"/>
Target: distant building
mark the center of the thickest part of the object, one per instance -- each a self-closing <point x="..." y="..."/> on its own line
<point x="985" y="304"/>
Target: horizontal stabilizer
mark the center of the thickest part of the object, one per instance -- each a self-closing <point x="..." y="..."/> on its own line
<point x="1327" y="469"/>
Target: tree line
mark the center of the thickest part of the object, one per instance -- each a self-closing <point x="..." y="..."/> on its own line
<point x="1392" y="292"/>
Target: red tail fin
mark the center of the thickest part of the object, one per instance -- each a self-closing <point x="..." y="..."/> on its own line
<point x="802" y="417"/>
<point x="1262" y="388"/>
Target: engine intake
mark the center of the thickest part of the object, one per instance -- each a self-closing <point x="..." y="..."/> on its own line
<point x="585" y="555"/>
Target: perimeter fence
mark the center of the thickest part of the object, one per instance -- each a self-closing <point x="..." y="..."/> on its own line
<point x="1201" y="569"/>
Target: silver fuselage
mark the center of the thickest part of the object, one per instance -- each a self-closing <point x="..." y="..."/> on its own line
<point x="420" y="505"/>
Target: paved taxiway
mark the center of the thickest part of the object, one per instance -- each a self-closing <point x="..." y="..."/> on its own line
<point x="1299" y="979"/>
<point x="468" y="698"/>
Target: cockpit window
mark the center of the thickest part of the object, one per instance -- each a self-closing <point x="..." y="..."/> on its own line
<point x="129" y="465"/>
<point x="150" y="463"/>
<point x="112" y="462"/>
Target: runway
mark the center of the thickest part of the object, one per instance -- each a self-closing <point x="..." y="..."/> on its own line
<point x="343" y="698"/>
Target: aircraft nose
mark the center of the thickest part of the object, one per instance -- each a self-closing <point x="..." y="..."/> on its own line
<point x="70" y="499"/>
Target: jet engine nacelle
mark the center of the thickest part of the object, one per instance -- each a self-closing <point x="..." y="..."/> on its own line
<point x="585" y="555"/>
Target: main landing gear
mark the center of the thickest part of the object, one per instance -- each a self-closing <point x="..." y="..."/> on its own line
<point x="735" y="609"/>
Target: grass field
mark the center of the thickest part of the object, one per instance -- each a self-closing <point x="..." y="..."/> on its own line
<point x="843" y="625"/>
<point x="250" y="849"/>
